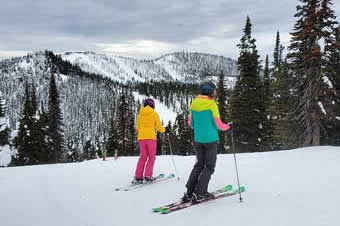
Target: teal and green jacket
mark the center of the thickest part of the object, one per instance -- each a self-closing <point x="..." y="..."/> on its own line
<point x="204" y="118"/>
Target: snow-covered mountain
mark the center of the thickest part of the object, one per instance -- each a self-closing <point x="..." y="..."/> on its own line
<point x="88" y="102"/>
<point x="286" y="188"/>
<point x="180" y="66"/>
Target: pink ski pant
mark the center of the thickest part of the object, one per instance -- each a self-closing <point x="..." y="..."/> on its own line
<point x="147" y="158"/>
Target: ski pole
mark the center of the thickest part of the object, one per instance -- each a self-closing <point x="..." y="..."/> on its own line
<point x="172" y="158"/>
<point x="233" y="147"/>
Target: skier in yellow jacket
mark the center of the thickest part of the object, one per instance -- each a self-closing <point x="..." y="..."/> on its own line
<point x="148" y="123"/>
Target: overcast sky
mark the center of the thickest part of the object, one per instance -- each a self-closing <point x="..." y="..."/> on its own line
<point x="142" y="28"/>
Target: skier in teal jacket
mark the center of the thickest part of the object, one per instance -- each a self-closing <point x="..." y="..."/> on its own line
<point x="204" y="118"/>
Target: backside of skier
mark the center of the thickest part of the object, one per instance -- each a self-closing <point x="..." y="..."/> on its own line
<point x="148" y="123"/>
<point x="204" y="118"/>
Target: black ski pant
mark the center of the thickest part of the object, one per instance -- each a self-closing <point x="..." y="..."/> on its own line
<point x="198" y="181"/>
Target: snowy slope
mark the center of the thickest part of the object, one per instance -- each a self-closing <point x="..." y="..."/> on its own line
<point x="180" y="66"/>
<point x="5" y="155"/>
<point x="287" y="188"/>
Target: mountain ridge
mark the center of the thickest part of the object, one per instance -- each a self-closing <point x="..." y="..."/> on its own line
<point x="187" y="67"/>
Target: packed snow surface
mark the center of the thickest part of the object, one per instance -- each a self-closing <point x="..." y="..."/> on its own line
<point x="288" y="188"/>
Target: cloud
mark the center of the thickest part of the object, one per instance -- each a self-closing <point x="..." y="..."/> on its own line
<point x="137" y="48"/>
<point x="142" y="28"/>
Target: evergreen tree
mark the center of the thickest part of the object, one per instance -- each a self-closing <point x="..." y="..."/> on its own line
<point x="222" y="97"/>
<point x="266" y="84"/>
<point x="89" y="151"/>
<point x="31" y="141"/>
<point x="37" y="143"/>
<point x="331" y="134"/>
<point x="246" y="103"/>
<point x="283" y="103"/>
<point x="43" y="136"/>
<point x="23" y="141"/>
<point x="282" y="109"/>
<point x="112" y="143"/>
<point x="131" y="115"/>
<point x="315" y="20"/>
<point x="4" y="127"/>
<point x="277" y="52"/>
<point x="184" y="136"/>
<point x="122" y="126"/>
<point x="267" y="143"/>
<point x="55" y="124"/>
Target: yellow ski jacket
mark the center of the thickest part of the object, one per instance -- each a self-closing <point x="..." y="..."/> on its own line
<point x="148" y="123"/>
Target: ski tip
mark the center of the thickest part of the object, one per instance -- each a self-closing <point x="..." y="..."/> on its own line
<point x="156" y="210"/>
<point x="241" y="189"/>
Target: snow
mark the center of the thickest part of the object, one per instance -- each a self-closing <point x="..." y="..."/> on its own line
<point x="112" y="67"/>
<point x="167" y="67"/>
<point x="25" y="65"/>
<point x="126" y="68"/>
<point x="327" y="81"/>
<point x="64" y="78"/>
<point x="164" y="62"/>
<point x="322" y="108"/>
<point x="3" y="124"/>
<point x="282" y="188"/>
<point x="5" y="158"/>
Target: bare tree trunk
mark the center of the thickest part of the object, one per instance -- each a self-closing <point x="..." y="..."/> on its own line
<point x="308" y="133"/>
<point x="312" y="130"/>
<point x="316" y="129"/>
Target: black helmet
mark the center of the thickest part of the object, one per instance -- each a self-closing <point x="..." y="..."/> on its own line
<point x="207" y="88"/>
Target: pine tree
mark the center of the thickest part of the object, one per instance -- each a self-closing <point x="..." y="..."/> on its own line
<point x="4" y="127"/>
<point x="315" y="20"/>
<point x="43" y="136"/>
<point x="23" y="140"/>
<point x="185" y="135"/>
<point x="89" y="151"/>
<point x="37" y="143"/>
<point x="122" y="126"/>
<point x="131" y="115"/>
<point x="331" y="135"/>
<point x="283" y="104"/>
<point x="277" y="52"/>
<point x="222" y="97"/>
<point x="31" y="141"/>
<point x="55" y="124"/>
<point x="112" y="143"/>
<point x="282" y="109"/>
<point x="247" y="98"/>
<point x="267" y="143"/>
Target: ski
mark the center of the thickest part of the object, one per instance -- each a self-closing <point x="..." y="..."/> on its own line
<point x="221" y="190"/>
<point x="160" y="177"/>
<point x="189" y="204"/>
